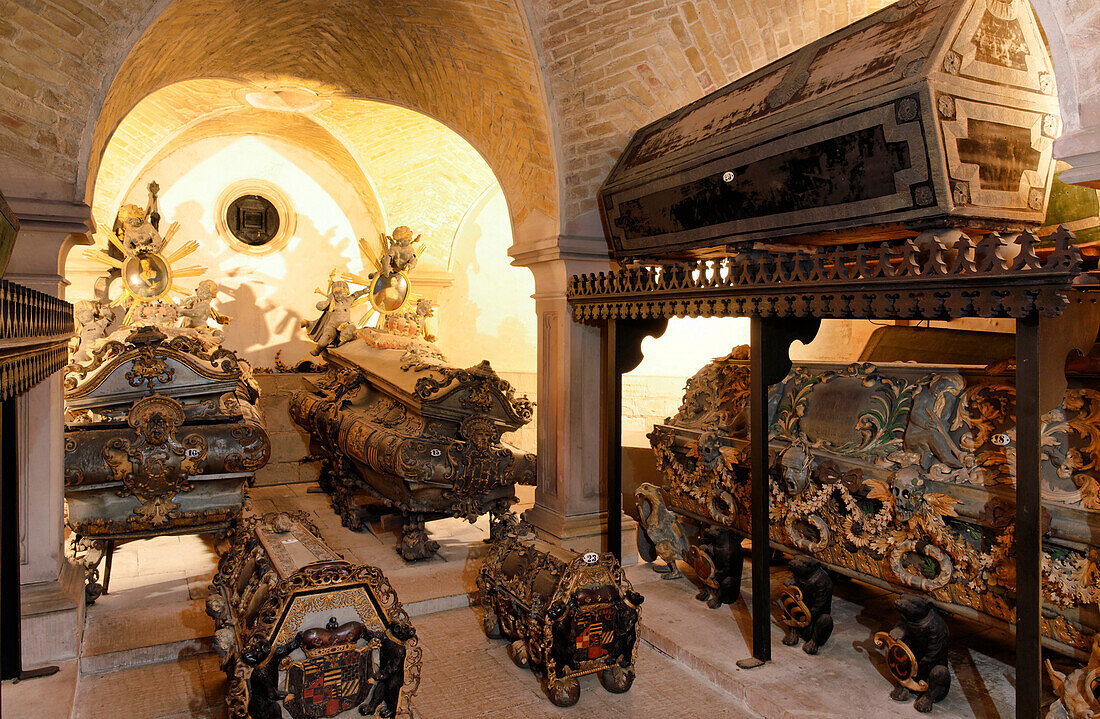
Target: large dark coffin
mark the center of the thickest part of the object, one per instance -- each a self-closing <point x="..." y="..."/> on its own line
<point x="567" y="615"/>
<point x="901" y="475"/>
<point x="161" y="437"/>
<point x="405" y="432"/>
<point x="303" y="633"/>
<point x="928" y="113"/>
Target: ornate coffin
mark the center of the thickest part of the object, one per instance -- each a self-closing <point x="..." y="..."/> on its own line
<point x="901" y="475"/>
<point x="303" y="633"/>
<point x="403" y="431"/>
<point x="565" y="614"/>
<point x="928" y="113"/>
<point x="161" y="437"/>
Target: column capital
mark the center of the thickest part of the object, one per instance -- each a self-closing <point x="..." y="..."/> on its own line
<point x="1080" y="148"/>
<point x="559" y="247"/>
<point x="48" y="230"/>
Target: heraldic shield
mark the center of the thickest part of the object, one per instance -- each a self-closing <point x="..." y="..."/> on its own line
<point x="597" y="632"/>
<point x="331" y="679"/>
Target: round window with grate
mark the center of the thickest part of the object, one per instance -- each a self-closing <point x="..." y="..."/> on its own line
<point x="252" y="219"/>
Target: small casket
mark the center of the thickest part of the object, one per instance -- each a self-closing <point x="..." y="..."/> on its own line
<point x="301" y="632"/>
<point x="161" y="437"/>
<point x="925" y="114"/>
<point x="566" y="614"/>
<point x="401" y="431"/>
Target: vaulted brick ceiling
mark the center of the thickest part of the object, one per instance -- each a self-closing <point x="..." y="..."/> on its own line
<point x="408" y="168"/>
<point x="466" y="63"/>
<point x="609" y="67"/>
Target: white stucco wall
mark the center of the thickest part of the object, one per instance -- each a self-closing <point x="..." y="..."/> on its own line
<point x="267" y="296"/>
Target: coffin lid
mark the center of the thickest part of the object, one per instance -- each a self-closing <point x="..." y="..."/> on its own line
<point x="123" y="372"/>
<point x="436" y="389"/>
<point x="979" y="49"/>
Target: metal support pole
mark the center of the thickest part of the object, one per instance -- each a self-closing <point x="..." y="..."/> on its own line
<point x="1029" y="371"/>
<point x="760" y="351"/>
<point x="10" y="649"/>
<point x="613" y="439"/>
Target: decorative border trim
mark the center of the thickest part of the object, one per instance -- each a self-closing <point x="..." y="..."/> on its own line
<point x="921" y="278"/>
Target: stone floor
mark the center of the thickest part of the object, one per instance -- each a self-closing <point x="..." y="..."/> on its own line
<point x="147" y="644"/>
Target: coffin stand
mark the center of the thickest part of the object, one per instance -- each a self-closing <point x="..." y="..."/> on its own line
<point x="161" y="438"/>
<point x="401" y="431"/>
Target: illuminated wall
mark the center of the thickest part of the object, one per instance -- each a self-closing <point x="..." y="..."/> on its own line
<point x="267" y="296"/>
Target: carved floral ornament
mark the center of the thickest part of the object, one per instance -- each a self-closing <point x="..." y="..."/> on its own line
<point x="882" y="504"/>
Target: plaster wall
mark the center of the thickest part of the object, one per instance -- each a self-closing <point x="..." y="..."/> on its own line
<point x="488" y="313"/>
<point x="267" y="296"/>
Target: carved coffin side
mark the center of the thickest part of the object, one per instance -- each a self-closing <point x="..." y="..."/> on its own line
<point x="903" y="475"/>
<point x="303" y="629"/>
<point x="161" y="436"/>
<point x="441" y="454"/>
<point x="927" y="112"/>
<point x="568" y="615"/>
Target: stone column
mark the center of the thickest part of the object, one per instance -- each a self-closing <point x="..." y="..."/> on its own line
<point x="570" y="502"/>
<point x="51" y="586"/>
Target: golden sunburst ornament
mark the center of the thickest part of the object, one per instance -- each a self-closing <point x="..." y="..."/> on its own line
<point x="147" y="270"/>
<point x="389" y="283"/>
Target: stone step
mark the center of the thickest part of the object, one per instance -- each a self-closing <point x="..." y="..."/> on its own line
<point x="139" y="635"/>
<point x="795" y="685"/>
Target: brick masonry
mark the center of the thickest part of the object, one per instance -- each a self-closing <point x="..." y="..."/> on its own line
<point x="289" y="443"/>
<point x="611" y="66"/>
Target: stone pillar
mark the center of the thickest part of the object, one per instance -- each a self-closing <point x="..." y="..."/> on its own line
<point x="570" y="502"/>
<point x="51" y="586"/>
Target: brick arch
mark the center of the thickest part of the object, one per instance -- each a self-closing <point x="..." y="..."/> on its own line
<point x="467" y="64"/>
<point x="408" y="168"/>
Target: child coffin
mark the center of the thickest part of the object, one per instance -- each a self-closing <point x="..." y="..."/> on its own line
<point x="899" y="474"/>
<point x="301" y="631"/>
<point x="404" y="432"/>
<point x="925" y="114"/>
<point x="566" y="614"/>
<point x="161" y="437"/>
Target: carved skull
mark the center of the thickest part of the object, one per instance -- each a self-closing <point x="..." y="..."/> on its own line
<point x="709" y="448"/>
<point x="908" y="490"/>
<point x="796" y="462"/>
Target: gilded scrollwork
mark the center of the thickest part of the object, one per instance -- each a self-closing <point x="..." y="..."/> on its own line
<point x="884" y="504"/>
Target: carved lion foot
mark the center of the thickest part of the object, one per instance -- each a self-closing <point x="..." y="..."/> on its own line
<point x="900" y="694"/>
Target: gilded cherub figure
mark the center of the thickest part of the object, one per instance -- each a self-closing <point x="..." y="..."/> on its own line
<point x="196" y="309"/>
<point x="94" y="318"/>
<point x="136" y="232"/>
<point x="398" y="255"/>
<point x="334" y="327"/>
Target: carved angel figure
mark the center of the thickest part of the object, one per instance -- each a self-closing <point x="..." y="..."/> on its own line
<point x="196" y="309"/>
<point x="94" y="318"/>
<point x="334" y="327"/>
<point x="399" y="254"/>
<point x="138" y="236"/>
